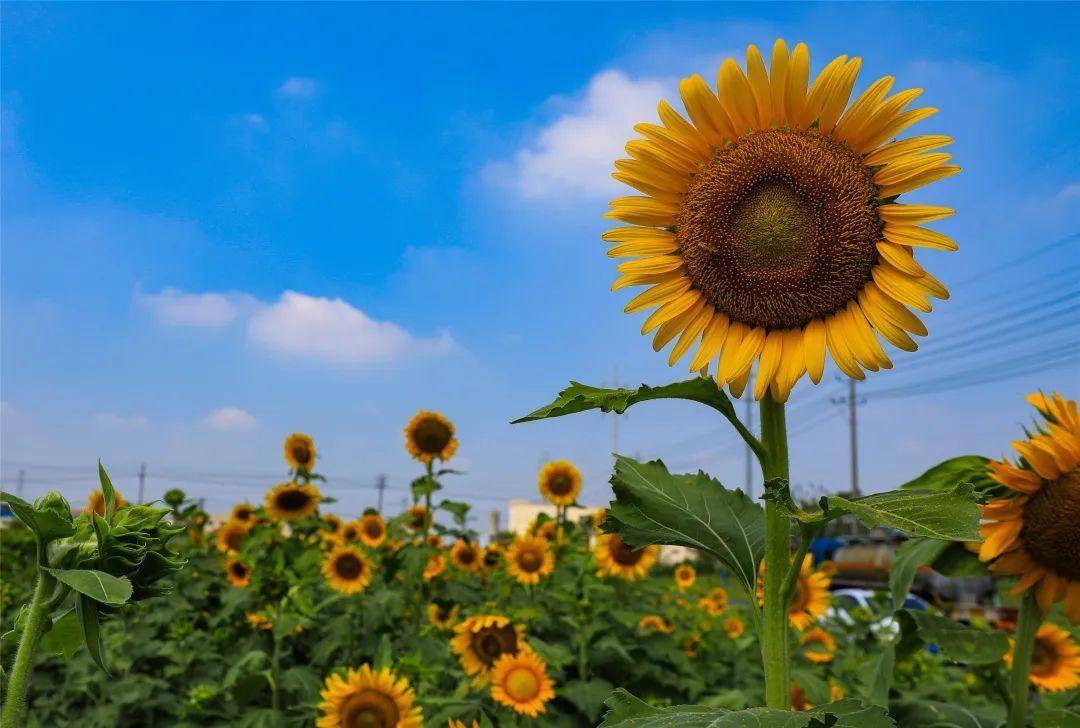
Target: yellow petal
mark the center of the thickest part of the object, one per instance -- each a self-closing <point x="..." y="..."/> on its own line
<point x="659" y="156"/>
<point x="675" y="326"/>
<point x="841" y="354"/>
<point x="683" y="129"/>
<point x="912" y="214"/>
<point x="704" y="110"/>
<point x="919" y="180"/>
<point x="901" y="257"/>
<point x="881" y="323"/>
<point x="769" y="362"/>
<point x="735" y="334"/>
<point x="655" y="264"/>
<point x="663" y="137"/>
<point x="819" y="91"/>
<point x="918" y="237"/>
<point x="634" y="234"/>
<point x="792" y="364"/>
<point x="658" y="294"/>
<point x="648" y="279"/>
<point x="893" y="310"/>
<point x="703" y="317"/>
<point x="880" y="119"/>
<point x="853" y="120"/>
<point x="814" y="349"/>
<point x="838" y="95"/>
<point x="865" y="333"/>
<point x="900" y="287"/>
<point x="904" y="147"/>
<point x="749" y="349"/>
<point x="907" y="167"/>
<point x="646" y="247"/>
<point x="642" y="211"/>
<point x="798" y="73"/>
<point x="901" y="122"/>
<point x="657" y="193"/>
<point x="778" y="71"/>
<point x="661" y="177"/>
<point x="738" y="384"/>
<point x="736" y="98"/>
<point x="758" y="78"/>
<point x="863" y="354"/>
<point x="711" y="342"/>
<point x="671" y="309"/>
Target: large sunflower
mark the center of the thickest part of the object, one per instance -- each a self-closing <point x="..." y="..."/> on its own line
<point x="366" y="697"/>
<point x="560" y="482"/>
<point x="1034" y="533"/>
<point x="238" y="573"/>
<point x="769" y="228"/>
<point x="530" y="559"/>
<point x="95" y="502"/>
<point x="372" y="530"/>
<point x="231" y="535"/>
<point x="521" y="682"/>
<point x="299" y="451"/>
<point x="481" y="640"/>
<point x="292" y="501"/>
<point x="466" y="555"/>
<point x="347" y="570"/>
<point x="1055" y="663"/>
<point x="818" y="645"/>
<point x="430" y="436"/>
<point x="615" y="558"/>
<point x="685" y="575"/>
<point x="811" y="597"/>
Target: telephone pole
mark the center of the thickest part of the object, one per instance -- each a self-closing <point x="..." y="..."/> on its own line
<point x="380" y="485"/>
<point x="142" y="482"/>
<point x="19" y="483"/>
<point x="853" y="425"/>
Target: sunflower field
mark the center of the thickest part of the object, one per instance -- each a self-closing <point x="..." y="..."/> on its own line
<point x="770" y="240"/>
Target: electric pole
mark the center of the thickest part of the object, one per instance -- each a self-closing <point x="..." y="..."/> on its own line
<point x="493" y="524"/>
<point x="19" y="483"/>
<point x="380" y="485"/>
<point x="853" y="424"/>
<point x="142" y="482"/>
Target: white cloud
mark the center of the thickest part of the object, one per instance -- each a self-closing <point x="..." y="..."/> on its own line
<point x="334" y="331"/>
<point x="573" y="155"/>
<point x="230" y="419"/>
<point x="208" y="310"/>
<point x="114" y="421"/>
<point x="299" y="87"/>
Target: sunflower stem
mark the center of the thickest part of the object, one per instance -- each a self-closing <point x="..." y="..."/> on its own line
<point x="19" y="681"/>
<point x="1028" y="622"/>
<point x="774" y="649"/>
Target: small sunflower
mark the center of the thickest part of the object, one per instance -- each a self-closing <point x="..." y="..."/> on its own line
<point x="347" y="570"/>
<point x="811" y="597"/>
<point x="466" y="555"/>
<point x="292" y="501"/>
<point x="333" y="525"/>
<point x="690" y="646"/>
<point x="373" y="530"/>
<point x="243" y="512"/>
<point x="367" y="697"/>
<point x="615" y="558"/>
<point x="1055" y="663"/>
<point x="442" y="616"/>
<point x="734" y="627"/>
<point x="598" y="517"/>
<point x="769" y="228"/>
<point x="350" y="532"/>
<point x="95" y="502"/>
<point x="481" y="640"/>
<point x="458" y="724"/>
<point x="656" y="623"/>
<point x="715" y="602"/>
<point x="547" y="529"/>
<point x="299" y="451"/>
<point x="416" y="518"/>
<point x="1033" y="533"/>
<point x="430" y="436"/>
<point x="521" y="682"/>
<point x="818" y="645"/>
<point x="231" y="535"/>
<point x="798" y="698"/>
<point x="529" y="559"/>
<point x="685" y="576"/>
<point x="835" y="691"/>
<point x="560" y="482"/>
<point x="238" y="572"/>
<point x="258" y="621"/>
<point x="436" y="565"/>
<point x="493" y="555"/>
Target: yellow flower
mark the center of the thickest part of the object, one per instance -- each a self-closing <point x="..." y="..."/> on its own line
<point x="819" y="645"/>
<point x="734" y="627"/>
<point x="690" y="646"/>
<point x="333" y="524"/>
<point x="366" y="697"/>
<point x="769" y="227"/>
<point x="615" y="558"/>
<point x="493" y="555"/>
<point x="811" y="597"/>
<point x="521" y="682"/>
<point x="656" y="623"/>
<point x="466" y="555"/>
<point x="95" y="503"/>
<point x="798" y="698"/>
<point x="442" y="616"/>
<point x="299" y="451"/>
<point x="347" y="570"/>
<point x="350" y="532"/>
<point x="243" y="512"/>
<point x="530" y="559"/>
<point x="481" y="640"/>
<point x="1033" y="534"/>
<point x="598" y="517"/>
<point x="435" y="566"/>
<point x="1055" y="663"/>
<point x="835" y="691"/>
<point x="430" y="436"/>
<point x="547" y="530"/>
<point x="231" y="535"/>
<point x="292" y="501"/>
<point x="238" y="572"/>
<point x="560" y="482"/>
<point x="685" y="576"/>
<point x="458" y="724"/>
<point x="373" y="530"/>
<point x="715" y="602"/>
<point x="258" y="621"/>
<point x="416" y="518"/>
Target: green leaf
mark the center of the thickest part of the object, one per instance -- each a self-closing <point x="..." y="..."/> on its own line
<point x="588" y="696"/>
<point x="950" y="473"/>
<point x="97" y="585"/>
<point x="878" y="677"/>
<point x="87" y="611"/>
<point x="385" y="656"/>
<point x="653" y="506"/>
<point x="912" y="554"/>
<point x="108" y="491"/>
<point x="959" y="642"/>
<point x="65" y="637"/>
<point x="423" y="486"/>
<point x="930" y="714"/>
<point x="47" y="524"/>
<point x="459" y="510"/>
<point x="1045" y="717"/>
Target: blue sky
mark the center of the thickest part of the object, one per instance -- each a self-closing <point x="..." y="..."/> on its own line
<point x="223" y="223"/>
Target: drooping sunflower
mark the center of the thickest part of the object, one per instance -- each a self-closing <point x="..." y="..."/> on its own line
<point x="521" y="682"/>
<point x="481" y="640"/>
<point x="811" y="597"/>
<point x="530" y="559"/>
<point x="350" y="532"/>
<point x="238" y="573"/>
<point x="560" y="482"/>
<point x="685" y="576"/>
<point x="656" y="623"/>
<point x="299" y="451"/>
<point x="292" y="501"/>
<point x="373" y="530"/>
<point x="347" y="570"/>
<point x="231" y="535"/>
<point x="818" y="645"/>
<point x="466" y="555"/>
<point x="1033" y="534"/>
<point x="243" y="512"/>
<point x="442" y="616"/>
<point x="769" y="228"/>
<point x="1055" y="663"/>
<point x="436" y="565"/>
<point x="430" y="436"/>
<point x="95" y="502"/>
<point x="615" y="558"/>
<point x="416" y="518"/>
<point x="734" y="627"/>
<point x="366" y="697"/>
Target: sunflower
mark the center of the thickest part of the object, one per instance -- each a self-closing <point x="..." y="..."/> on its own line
<point x="466" y="555"/>
<point x="819" y="645"/>
<point x="258" y="621"/>
<point x="333" y="525"/>
<point x="435" y="566"/>
<point x="835" y="691"/>
<point x="347" y="570"/>
<point x="690" y="646"/>
<point x="769" y="227"/>
<point x="1055" y="663"/>
<point x="243" y="512"/>
<point x="598" y="517"/>
<point x="560" y="482"/>
<point x="715" y="602"/>
<point x="656" y="623"/>
<point x="798" y="698"/>
<point x="480" y="641"/>
<point x="367" y="697"/>
<point x="231" y="536"/>
<point x="811" y="597"/>
<point x="299" y="451"/>
<point x="430" y="436"/>
<point x="547" y="529"/>
<point x="441" y="615"/>
<point x="458" y="724"/>
<point x="95" y="502"/>
<point x="372" y="530"/>
<point x="530" y="559"/>
<point x="615" y="558"/>
<point x="416" y="518"/>
<point x="685" y="576"/>
<point x="734" y="627"/>
<point x="493" y="555"/>
<point x="292" y="501"/>
<point x="238" y="572"/>
<point x="521" y="682"/>
<point x="1033" y="533"/>
<point x="351" y="532"/>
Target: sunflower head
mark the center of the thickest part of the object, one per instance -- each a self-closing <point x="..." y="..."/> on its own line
<point x="734" y="627"/>
<point x="798" y="698"/>
<point x="769" y="227"/>
<point x="811" y="597"/>
<point x="656" y="623"/>
<point x="292" y="501"/>
<point x="547" y="529"/>
<point x="520" y="681"/>
<point x="372" y="530"/>
<point x="442" y="616"/>
<point x="435" y="566"/>
<point x="818" y="645"/>
<point x="258" y="621"/>
<point x="347" y="570"/>
<point x="466" y="555"/>
<point x="299" y="451"/>
<point x="685" y="575"/>
<point x="367" y="697"/>
<point x="243" y="512"/>
<point x="350" y="532"/>
<point x="481" y="640"/>
<point x="417" y="518"/>
<point x="332" y="524"/>
<point x="529" y="559"/>
<point x="493" y="555"/>
<point x="1055" y="663"/>
<point x="1032" y="533"/>
<point x="560" y="482"/>
<point x="231" y="535"/>
<point x="430" y="436"/>
<point x="238" y="572"/>
<point x="95" y="502"/>
<point x="615" y="558"/>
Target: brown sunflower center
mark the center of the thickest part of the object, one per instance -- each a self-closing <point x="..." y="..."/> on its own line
<point x="348" y="533"/>
<point x="301" y="453"/>
<point x="560" y="484"/>
<point x="780" y="228"/>
<point x="348" y="566"/>
<point x="234" y="539"/>
<point x="1050" y="532"/>
<point x="529" y="561"/>
<point x="490" y="643"/>
<point x="466" y="555"/>
<point x="374" y="529"/>
<point x="370" y="709"/>
<point x="239" y="570"/>
<point x="623" y="554"/>
<point x="491" y="558"/>
<point x="243" y="513"/>
<point x="432" y="436"/>
<point x="1044" y="658"/>
<point x="293" y="500"/>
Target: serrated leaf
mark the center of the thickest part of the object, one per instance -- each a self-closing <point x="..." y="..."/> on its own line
<point x="97" y="585"/>
<point x="958" y="642"/>
<point x="912" y="554"/>
<point x="878" y="677"/>
<point x="948" y="474"/>
<point x="653" y="506"/>
<point x="65" y="637"/>
<point x="588" y="696"/>
<point x="930" y="714"/>
<point x="423" y="486"/>
<point x="47" y="525"/>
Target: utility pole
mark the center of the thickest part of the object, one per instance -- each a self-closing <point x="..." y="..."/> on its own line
<point x="380" y="485"/>
<point x="493" y="524"/>
<point x="615" y="384"/>
<point x="19" y="483"/>
<point x="748" y="395"/>
<point x="142" y="482"/>
<point x="853" y="424"/>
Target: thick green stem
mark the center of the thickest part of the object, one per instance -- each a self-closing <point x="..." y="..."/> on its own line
<point x="774" y="649"/>
<point x="19" y="680"/>
<point x="1023" y="647"/>
<point x="427" y="502"/>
